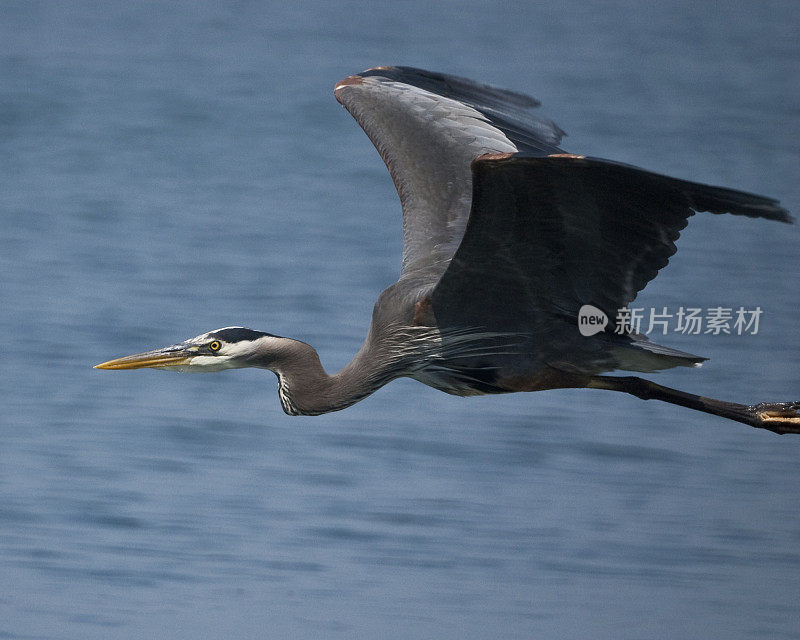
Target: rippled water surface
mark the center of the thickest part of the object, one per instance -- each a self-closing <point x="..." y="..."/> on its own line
<point x="166" y="169"/>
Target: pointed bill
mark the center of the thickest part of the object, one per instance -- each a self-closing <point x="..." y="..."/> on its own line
<point x="158" y="358"/>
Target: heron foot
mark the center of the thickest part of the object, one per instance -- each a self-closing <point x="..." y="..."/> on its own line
<point x="778" y="417"/>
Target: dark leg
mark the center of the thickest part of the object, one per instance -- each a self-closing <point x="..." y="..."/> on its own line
<point x="778" y="417"/>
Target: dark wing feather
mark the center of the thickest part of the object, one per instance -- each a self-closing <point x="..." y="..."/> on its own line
<point x="547" y="235"/>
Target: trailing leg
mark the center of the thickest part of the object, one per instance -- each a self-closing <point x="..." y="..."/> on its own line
<point x="778" y="417"/>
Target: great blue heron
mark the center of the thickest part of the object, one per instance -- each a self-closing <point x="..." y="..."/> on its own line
<point x="505" y="238"/>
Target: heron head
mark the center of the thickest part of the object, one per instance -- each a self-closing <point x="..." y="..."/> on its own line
<point x="227" y="348"/>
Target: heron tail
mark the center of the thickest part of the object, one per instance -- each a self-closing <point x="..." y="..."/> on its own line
<point x="644" y="356"/>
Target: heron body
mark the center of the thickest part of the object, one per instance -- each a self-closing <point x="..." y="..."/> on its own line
<point x="505" y="237"/>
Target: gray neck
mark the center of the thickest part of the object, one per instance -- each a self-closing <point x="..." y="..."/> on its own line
<point x="306" y="389"/>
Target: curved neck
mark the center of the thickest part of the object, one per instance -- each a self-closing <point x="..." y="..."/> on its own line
<point x="306" y="389"/>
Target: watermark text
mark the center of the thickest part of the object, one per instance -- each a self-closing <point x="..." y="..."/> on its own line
<point x="686" y="320"/>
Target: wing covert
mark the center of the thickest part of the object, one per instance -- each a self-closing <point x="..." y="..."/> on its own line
<point x="428" y="128"/>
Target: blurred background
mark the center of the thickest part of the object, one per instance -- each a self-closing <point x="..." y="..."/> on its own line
<point x="171" y="168"/>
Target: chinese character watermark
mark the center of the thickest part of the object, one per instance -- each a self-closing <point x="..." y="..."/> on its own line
<point x="686" y="320"/>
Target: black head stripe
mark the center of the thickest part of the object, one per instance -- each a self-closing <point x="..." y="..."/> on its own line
<point x="238" y="334"/>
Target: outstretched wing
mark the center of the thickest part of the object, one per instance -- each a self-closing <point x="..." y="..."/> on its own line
<point x="428" y="128"/>
<point x="547" y="235"/>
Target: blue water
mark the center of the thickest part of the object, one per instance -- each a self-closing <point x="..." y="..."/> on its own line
<point x="171" y="168"/>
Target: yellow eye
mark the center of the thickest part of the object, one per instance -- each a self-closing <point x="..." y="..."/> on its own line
<point x="215" y="346"/>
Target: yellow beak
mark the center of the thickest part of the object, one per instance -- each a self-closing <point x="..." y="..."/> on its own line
<point x="170" y="356"/>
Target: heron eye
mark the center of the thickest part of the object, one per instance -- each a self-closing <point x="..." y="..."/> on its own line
<point x="215" y="346"/>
